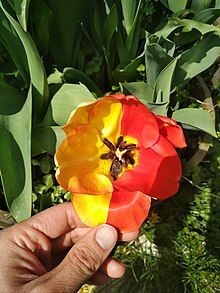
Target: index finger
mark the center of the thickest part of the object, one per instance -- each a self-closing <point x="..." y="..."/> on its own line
<point x="55" y="221"/>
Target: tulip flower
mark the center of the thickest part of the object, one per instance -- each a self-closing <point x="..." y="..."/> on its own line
<point x="117" y="155"/>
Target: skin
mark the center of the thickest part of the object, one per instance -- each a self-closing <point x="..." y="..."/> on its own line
<point x="54" y="252"/>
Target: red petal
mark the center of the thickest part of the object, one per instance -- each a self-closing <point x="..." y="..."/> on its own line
<point x="157" y="173"/>
<point x="171" y="131"/>
<point x="128" y="210"/>
<point x="138" y="121"/>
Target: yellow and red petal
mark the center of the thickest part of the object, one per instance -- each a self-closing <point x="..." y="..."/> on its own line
<point x="157" y="173"/>
<point x="128" y="210"/>
<point x="80" y="168"/>
<point x="122" y="209"/>
<point x="92" y="210"/>
<point x="106" y="117"/>
<point x="171" y="131"/>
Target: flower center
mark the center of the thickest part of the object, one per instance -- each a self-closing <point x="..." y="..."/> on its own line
<point x="120" y="154"/>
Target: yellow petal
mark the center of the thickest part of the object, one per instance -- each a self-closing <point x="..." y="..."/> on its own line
<point x="78" y="116"/>
<point x="92" y="209"/>
<point x="80" y="168"/>
<point x="106" y="116"/>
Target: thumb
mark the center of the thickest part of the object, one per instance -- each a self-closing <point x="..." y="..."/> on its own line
<point x="81" y="262"/>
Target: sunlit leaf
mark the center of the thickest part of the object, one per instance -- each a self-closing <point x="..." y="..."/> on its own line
<point x="67" y="98"/>
<point x="21" y="9"/>
<point x="199" y="119"/>
<point x="140" y="89"/>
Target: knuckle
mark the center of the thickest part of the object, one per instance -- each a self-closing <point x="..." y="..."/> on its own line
<point x="84" y="260"/>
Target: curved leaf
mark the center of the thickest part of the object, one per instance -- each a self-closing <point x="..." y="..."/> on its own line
<point x="197" y="59"/>
<point x="46" y="139"/>
<point x="66" y="99"/>
<point x="200" y="119"/>
<point x="15" y="160"/>
<point x="21" y="9"/>
<point x="37" y="72"/>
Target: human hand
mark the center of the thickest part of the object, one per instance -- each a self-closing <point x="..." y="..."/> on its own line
<point x="54" y="252"/>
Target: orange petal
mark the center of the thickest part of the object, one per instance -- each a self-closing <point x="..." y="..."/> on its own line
<point x="80" y="168"/>
<point x="91" y="209"/>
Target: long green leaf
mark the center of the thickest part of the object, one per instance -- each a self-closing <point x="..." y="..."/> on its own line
<point x="13" y="44"/>
<point x="161" y="94"/>
<point x="67" y="98"/>
<point x="37" y="72"/>
<point x="109" y="27"/>
<point x="208" y="15"/>
<point x="133" y="36"/>
<point x="200" y="119"/>
<point x="156" y="59"/>
<point x="200" y="5"/>
<point x="11" y="99"/>
<point x="21" y="9"/>
<point x="129" y="9"/>
<point x="15" y="160"/>
<point x="65" y="27"/>
<point x="176" y="6"/>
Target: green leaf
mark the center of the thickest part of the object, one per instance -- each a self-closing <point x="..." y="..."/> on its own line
<point x="71" y="75"/>
<point x="161" y="94"/>
<point x="208" y="15"/>
<point x="176" y="6"/>
<point x="11" y="99"/>
<point x="199" y="5"/>
<point x="129" y="72"/>
<point x="65" y="28"/>
<point x="167" y="45"/>
<point x="15" y="160"/>
<point x="12" y="43"/>
<point x="140" y="89"/>
<point x="200" y="119"/>
<point x="40" y="26"/>
<point x="197" y="59"/>
<point x="109" y="27"/>
<point x="128" y="8"/>
<point x="187" y="24"/>
<point x="37" y="72"/>
<point x="156" y="59"/>
<point x="134" y="34"/>
<point x="46" y="139"/>
<point x="21" y="9"/>
<point x="67" y="98"/>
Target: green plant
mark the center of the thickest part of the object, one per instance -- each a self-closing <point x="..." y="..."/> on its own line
<point x="56" y="54"/>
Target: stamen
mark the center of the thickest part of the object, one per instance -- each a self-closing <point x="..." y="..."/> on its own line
<point x="109" y="144"/>
<point x="107" y="156"/>
<point x="131" y="147"/>
<point x="119" y="141"/>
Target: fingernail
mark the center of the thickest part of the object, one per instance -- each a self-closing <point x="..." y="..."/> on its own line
<point x="106" y="237"/>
